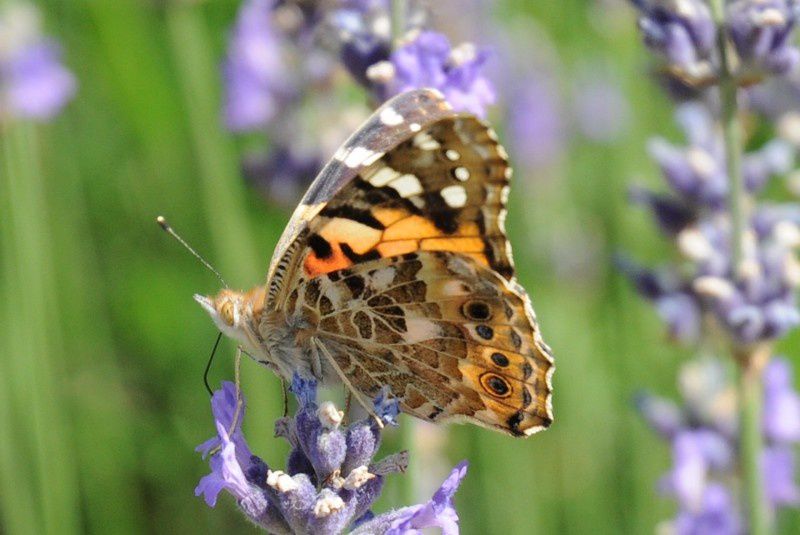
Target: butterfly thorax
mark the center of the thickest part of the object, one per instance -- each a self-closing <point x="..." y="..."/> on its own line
<point x="273" y="337"/>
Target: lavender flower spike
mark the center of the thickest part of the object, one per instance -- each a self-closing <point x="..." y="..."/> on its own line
<point x="330" y="480"/>
<point x="762" y="35"/>
<point x="256" y="79"/>
<point x="33" y="82"/>
<point x="428" y="60"/>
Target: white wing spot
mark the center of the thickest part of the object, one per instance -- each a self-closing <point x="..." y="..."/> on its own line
<point x="501" y="220"/>
<point x="424" y="141"/>
<point x="509" y="173"/>
<point x="452" y="155"/>
<point x="407" y="185"/>
<point x="369" y="160"/>
<point x="383" y="176"/>
<point x="454" y="196"/>
<point x="420" y="329"/>
<point x="382" y="278"/>
<point x="504" y="194"/>
<point x="491" y="133"/>
<point x="461" y="173"/>
<point x="358" y="155"/>
<point x="390" y="117"/>
<point x="414" y="127"/>
<point x="502" y="152"/>
<point x="340" y="154"/>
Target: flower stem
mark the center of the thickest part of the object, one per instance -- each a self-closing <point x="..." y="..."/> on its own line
<point x="732" y="137"/>
<point x="399" y="13"/>
<point x="752" y="362"/>
<point x="750" y="436"/>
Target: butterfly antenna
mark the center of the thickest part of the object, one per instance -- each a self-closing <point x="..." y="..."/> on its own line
<point x="208" y="365"/>
<point x="162" y="222"/>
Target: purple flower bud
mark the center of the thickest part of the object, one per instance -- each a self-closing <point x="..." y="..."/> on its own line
<point x="681" y="33"/>
<point x="427" y="60"/>
<point x="761" y="33"/>
<point x="781" y="403"/>
<point x="716" y="513"/>
<point x="332" y="480"/>
<point x="695" y="454"/>
<point x="779" y="468"/>
<point x="661" y="414"/>
<point x="439" y="512"/>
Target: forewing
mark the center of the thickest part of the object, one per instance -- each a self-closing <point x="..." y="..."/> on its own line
<point x="439" y="182"/>
<point x="397" y="120"/>
<point x="454" y="340"/>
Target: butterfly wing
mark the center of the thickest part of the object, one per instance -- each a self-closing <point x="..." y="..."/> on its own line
<point x="453" y="339"/>
<point x="397" y="120"/>
<point x="419" y="181"/>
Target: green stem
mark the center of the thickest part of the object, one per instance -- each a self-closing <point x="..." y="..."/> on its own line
<point x="35" y="341"/>
<point x="399" y="15"/>
<point x="751" y="365"/>
<point x="751" y="436"/>
<point x="222" y="188"/>
<point x="732" y="137"/>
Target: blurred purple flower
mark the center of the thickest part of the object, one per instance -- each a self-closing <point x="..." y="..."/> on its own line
<point x="426" y="59"/>
<point x="716" y="513"/>
<point x="256" y="77"/>
<point x="762" y="36"/>
<point x="601" y="110"/>
<point x="704" y="439"/>
<point x="781" y="403"/>
<point x="682" y="34"/>
<point x="34" y="84"/>
<point x="757" y="304"/>
<point x="779" y="470"/>
<point x="695" y="454"/>
<point x="535" y="121"/>
<point x="331" y="480"/>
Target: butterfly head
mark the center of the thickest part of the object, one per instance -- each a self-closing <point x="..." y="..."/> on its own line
<point x="228" y="311"/>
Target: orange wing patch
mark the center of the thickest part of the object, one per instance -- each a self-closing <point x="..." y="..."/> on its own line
<point x="341" y="242"/>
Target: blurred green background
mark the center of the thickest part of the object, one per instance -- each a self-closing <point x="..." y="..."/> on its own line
<point x="103" y="349"/>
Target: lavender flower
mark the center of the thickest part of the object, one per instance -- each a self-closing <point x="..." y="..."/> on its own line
<point x="256" y="77"/>
<point x="754" y="305"/>
<point x="762" y="36"/>
<point x="34" y="84"/>
<point x="330" y="481"/>
<point x="704" y="438"/>
<point x="682" y="33"/>
<point x="426" y="59"/>
<point x="601" y="109"/>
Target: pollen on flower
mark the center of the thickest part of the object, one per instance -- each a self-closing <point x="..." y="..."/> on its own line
<point x="281" y="481"/>
<point x="713" y="287"/>
<point x="329" y="415"/>
<point x="701" y="162"/>
<point x="382" y="72"/>
<point x="327" y="505"/>
<point x="693" y="244"/>
<point x="787" y="234"/>
<point x="357" y="477"/>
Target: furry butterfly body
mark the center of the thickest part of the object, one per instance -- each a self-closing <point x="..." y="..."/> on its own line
<point x="395" y="270"/>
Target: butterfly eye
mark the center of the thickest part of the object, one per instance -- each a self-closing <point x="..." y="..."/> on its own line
<point x="226" y="312"/>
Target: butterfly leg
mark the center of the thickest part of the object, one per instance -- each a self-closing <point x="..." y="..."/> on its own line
<point x="285" y="398"/>
<point x="348" y="401"/>
<point x="320" y="348"/>
<point x="237" y="364"/>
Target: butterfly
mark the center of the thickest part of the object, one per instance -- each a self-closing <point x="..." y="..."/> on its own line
<point x="395" y="270"/>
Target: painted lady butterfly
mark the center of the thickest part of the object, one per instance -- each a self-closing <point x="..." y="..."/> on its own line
<point x="395" y="270"/>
